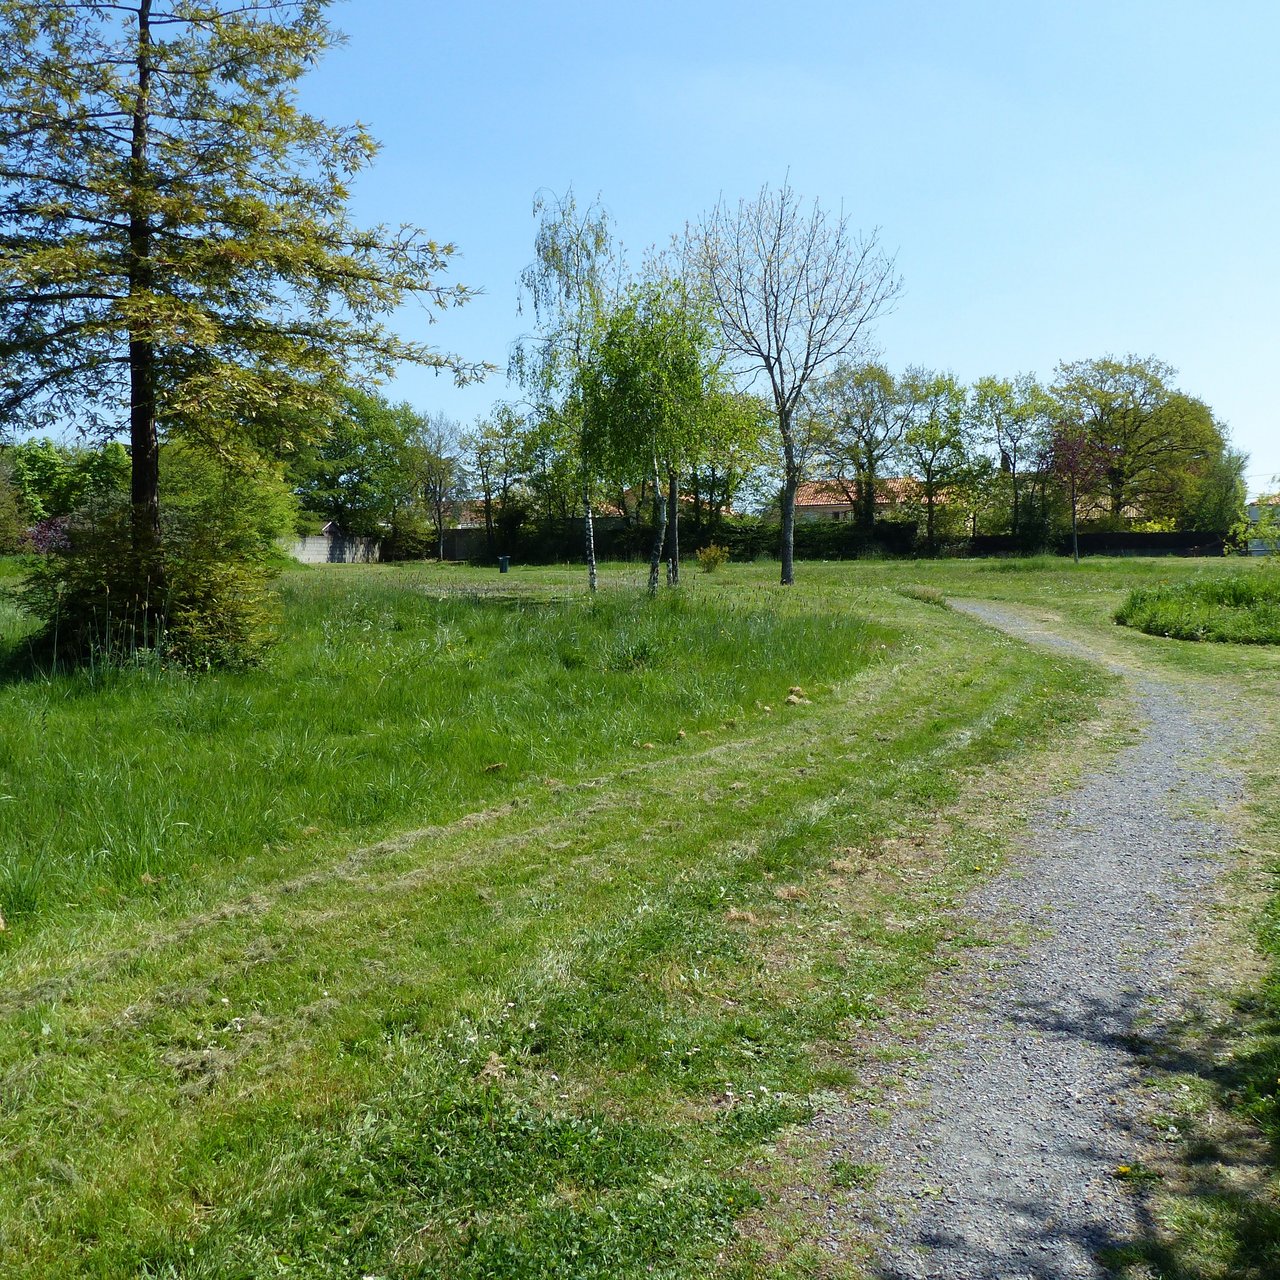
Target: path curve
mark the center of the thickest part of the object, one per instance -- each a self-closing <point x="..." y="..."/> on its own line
<point x="1000" y="1157"/>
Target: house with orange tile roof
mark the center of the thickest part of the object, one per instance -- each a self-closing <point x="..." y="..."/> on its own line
<point x="838" y="499"/>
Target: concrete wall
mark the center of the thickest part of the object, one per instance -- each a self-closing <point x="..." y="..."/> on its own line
<point x="320" y="549"/>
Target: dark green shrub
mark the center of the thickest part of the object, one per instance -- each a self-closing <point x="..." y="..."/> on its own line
<point x="11" y="522"/>
<point x="200" y="600"/>
<point x="412" y="537"/>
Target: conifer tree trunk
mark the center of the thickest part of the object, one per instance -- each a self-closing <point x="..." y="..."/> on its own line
<point x="143" y="439"/>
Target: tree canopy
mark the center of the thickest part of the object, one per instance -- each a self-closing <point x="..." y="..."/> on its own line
<point x="178" y="258"/>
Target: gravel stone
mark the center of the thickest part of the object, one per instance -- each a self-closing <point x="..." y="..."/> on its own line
<point x="1000" y="1152"/>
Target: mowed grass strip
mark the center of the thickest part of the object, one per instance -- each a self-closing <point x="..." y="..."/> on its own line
<point x="541" y="1040"/>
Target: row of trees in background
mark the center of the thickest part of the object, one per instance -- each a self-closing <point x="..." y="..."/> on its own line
<point x="1113" y="443"/>
<point x="1112" y="439"/>
<point x="180" y="271"/>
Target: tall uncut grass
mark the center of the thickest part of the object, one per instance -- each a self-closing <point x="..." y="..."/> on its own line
<point x="386" y="702"/>
<point x="1234" y="609"/>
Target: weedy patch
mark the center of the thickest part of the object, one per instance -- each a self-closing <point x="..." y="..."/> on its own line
<point x="926" y="595"/>
<point x="1242" y="608"/>
<point x="847" y="1174"/>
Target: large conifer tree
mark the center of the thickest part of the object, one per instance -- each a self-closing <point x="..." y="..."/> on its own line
<point x="176" y="255"/>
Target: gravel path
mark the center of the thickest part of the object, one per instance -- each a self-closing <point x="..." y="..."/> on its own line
<point x="1000" y="1154"/>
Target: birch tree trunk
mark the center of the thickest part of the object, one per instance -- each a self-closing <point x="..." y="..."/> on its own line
<point x="673" y="541"/>
<point x="589" y="530"/>
<point x="659" y="531"/>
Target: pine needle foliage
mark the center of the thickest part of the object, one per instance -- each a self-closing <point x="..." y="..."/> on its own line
<point x="176" y="256"/>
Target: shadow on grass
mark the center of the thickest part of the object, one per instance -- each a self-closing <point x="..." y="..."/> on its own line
<point x="1218" y="1217"/>
<point x="28" y="659"/>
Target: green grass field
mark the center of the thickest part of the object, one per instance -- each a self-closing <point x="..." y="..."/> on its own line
<point x="490" y="931"/>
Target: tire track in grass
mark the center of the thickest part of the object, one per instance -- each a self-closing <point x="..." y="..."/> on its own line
<point x="376" y="940"/>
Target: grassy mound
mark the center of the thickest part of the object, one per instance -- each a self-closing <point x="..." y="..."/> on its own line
<point x="1240" y="609"/>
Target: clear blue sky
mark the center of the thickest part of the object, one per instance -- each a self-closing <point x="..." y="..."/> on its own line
<point x="1059" y="180"/>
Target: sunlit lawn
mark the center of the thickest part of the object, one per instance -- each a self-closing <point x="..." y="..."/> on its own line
<point x="628" y="903"/>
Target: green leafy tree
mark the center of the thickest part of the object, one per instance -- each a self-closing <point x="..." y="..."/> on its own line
<point x="53" y="480"/>
<point x="495" y="451"/>
<point x="935" y="443"/>
<point x="1215" y="502"/>
<point x="865" y="419"/>
<point x="551" y="464"/>
<point x="569" y="286"/>
<point x="43" y="479"/>
<point x="1153" y="436"/>
<point x="439" y="477"/>
<point x="12" y="524"/>
<point x="728" y="456"/>
<point x="1013" y="416"/>
<point x="359" y="473"/>
<point x="649" y="398"/>
<point x="794" y="290"/>
<point x="179" y="262"/>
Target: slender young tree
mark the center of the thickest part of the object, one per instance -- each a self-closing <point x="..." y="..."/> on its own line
<point x="495" y="447"/>
<point x="1012" y="414"/>
<point x="650" y="398"/>
<point x="177" y="256"/>
<point x="569" y="285"/>
<point x="794" y="289"/>
<point x="1080" y="462"/>
<point x="435" y="454"/>
<point x="934" y="443"/>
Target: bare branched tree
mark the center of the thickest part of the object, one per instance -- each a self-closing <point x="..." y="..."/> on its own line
<point x="794" y="288"/>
